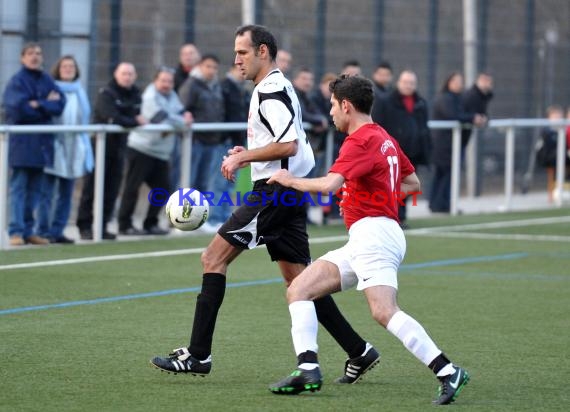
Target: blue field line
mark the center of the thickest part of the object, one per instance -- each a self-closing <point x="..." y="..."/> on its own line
<point x="462" y="261"/>
<point x="412" y="266"/>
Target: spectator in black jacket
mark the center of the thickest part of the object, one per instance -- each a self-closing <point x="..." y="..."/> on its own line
<point x="447" y="106"/>
<point x="322" y="95"/>
<point x="202" y="96"/>
<point x="117" y="103"/>
<point x="188" y="58"/>
<point x="303" y="83"/>
<point x="382" y="78"/>
<point x="403" y="113"/>
<point x="476" y="100"/>
<point x="236" y="104"/>
<point x="284" y="60"/>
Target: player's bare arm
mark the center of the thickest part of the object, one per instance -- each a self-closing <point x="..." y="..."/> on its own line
<point x="410" y="183"/>
<point x="329" y="183"/>
<point x="239" y="157"/>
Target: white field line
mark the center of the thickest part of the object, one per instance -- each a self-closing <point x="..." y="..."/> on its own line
<point x="441" y="231"/>
<point x="495" y="236"/>
<point x="129" y="256"/>
<point x="493" y="225"/>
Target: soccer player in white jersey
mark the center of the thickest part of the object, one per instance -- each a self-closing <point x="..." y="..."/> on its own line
<point x="373" y="172"/>
<point x="273" y="215"/>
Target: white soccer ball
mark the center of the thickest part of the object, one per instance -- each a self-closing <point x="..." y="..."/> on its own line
<point x="187" y="209"/>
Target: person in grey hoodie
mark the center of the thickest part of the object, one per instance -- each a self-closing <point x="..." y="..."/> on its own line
<point x="148" y="152"/>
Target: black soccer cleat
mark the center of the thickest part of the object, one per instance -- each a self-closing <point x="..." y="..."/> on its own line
<point x="300" y="380"/>
<point x="451" y="385"/>
<point x="355" y="368"/>
<point x="180" y="361"/>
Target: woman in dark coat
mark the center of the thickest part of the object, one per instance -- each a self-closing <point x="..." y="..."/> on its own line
<point x="447" y="106"/>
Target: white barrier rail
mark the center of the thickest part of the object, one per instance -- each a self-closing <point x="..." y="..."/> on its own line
<point x="100" y="131"/>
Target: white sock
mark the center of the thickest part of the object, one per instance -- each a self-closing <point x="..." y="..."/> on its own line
<point x="308" y="366"/>
<point x="413" y="336"/>
<point x="304" y="326"/>
<point x="446" y="370"/>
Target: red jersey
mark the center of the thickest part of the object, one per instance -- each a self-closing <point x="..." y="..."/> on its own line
<point x="372" y="165"/>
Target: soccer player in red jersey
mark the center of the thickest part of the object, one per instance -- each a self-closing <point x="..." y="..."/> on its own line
<point x="370" y="169"/>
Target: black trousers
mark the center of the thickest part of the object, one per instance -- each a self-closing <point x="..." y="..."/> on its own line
<point x="142" y="168"/>
<point x="114" y="163"/>
<point x="440" y="196"/>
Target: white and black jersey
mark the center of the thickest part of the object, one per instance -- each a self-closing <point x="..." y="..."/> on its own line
<point x="275" y="116"/>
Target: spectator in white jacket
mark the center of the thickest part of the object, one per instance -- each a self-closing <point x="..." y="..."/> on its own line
<point x="148" y="153"/>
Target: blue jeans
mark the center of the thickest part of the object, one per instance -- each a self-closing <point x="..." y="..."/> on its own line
<point x="175" y="165"/>
<point x="440" y="195"/>
<point x="205" y="164"/>
<point x="221" y="186"/>
<point x="53" y="216"/>
<point x="25" y="185"/>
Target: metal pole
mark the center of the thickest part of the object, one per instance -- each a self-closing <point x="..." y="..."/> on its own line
<point x="470" y="70"/>
<point x="560" y="165"/>
<point x="320" y="39"/>
<point x="482" y="30"/>
<point x="186" y="159"/>
<point x="115" y="35"/>
<point x="329" y="149"/>
<point x="33" y="21"/>
<point x="247" y="12"/>
<point x="259" y="11"/>
<point x="378" y="33"/>
<point x="99" y="186"/>
<point x="509" y="166"/>
<point x="455" y="168"/>
<point x="93" y="46"/>
<point x="3" y="189"/>
<point x="432" y="48"/>
<point x="189" y="17"/>
<point x="529" y="65"/>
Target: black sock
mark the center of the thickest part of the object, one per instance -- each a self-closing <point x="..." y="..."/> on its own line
<point x="334" y="322"/>
<point x="438" y="363"/>
<point x="307" y="357"/>
<point x="207" y="305"/>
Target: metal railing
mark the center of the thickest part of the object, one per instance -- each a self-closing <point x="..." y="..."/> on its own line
<point x="100" y="130"/>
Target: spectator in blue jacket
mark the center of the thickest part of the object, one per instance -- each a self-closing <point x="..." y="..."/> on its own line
<point x="30" y="98"/>
<point x="73" y="155"/>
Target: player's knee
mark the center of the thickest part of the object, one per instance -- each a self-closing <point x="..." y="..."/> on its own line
<point x="294" y="293"/>
<point x="382" y="314"/>
<point x="209" y="260"/>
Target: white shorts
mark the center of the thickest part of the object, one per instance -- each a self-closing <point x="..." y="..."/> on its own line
<point x="376" y="247"/>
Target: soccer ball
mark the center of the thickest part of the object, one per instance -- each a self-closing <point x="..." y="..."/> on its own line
<point x="187" y="209"/>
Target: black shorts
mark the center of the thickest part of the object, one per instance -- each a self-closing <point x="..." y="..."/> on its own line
<point x="272" y="215"/>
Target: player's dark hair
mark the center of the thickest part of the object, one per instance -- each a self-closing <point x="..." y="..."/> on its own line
<point x="445" y="87"/>
<point x="210" y="56"/>
<point x="351" y="63"/>
<point x="357" y="90"/>
<point x="28" y="46"/>
<point x="385" y="65"/>
<point x="260" y="35"/>
<point x="302" y="69"/>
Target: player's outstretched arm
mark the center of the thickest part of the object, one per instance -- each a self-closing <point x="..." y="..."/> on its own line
<point x="410" y="183"/>
<point x="329" y="183"/>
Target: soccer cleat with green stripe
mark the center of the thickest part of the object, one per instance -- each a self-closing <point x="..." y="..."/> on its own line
<point x="451" y="385"/>
<point x="301" y="380"/>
